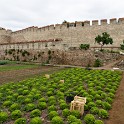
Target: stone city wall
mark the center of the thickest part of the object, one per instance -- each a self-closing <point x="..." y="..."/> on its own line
<point x="72" y="34"/>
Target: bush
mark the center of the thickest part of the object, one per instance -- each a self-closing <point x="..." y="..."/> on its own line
<point x="3" y="62"/>
<point x="89" y="119"/>
<point x="29" y="107"/>
<point x="84" y="46"/>
<point x="35" y="113"/>
<point x="3" y="117"/>
<point x="16" y="114"/>
<point x="36" y="120"/>
<point x="103" y="113"/>
<point x="14" y="106"/>
<point x="75" y="113"/>
<point x="66" y="112"/>
<point x="57" y="120"/>
<point x="20" y="121"/>
<point x="52" y="114"/>
<point x="97" y="63"/>
<point x="42" y="105"/>
<point x="98" y="122"/>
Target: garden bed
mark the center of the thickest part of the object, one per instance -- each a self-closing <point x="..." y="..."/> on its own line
<point x="46" y="98"/>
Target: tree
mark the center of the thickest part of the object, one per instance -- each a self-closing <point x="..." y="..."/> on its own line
<point x="103" y="39"/>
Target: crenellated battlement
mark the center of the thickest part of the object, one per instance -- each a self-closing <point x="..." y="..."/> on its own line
<point x="71" y="32"/>
<point x="76" y="24"/>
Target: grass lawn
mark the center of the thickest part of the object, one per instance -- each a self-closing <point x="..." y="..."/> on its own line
<point x="14" y="66"/>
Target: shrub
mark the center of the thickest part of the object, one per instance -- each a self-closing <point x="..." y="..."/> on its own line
<point x="3" y="117"/>
<point x="66" y="112"/>
<point x="94" y="110"/>
<point x="103" y="113"/>
<point x="84" y="46"/>
<point x="36" y="120"/>
<point x="52" y="114"/>
<point x="75" y="113"/>
<point x="3" y="62"/>
<point x="63" y="105"/>
<point x="16" y="114"/>
<point x="122" y="46"/>
<point x="89" y="119"/>
<point x="42" y="105"/>
<point x="57" y="120"/>
<point x="35" y="113"/>
<point x="29" y="107"/>
<point x="98" y="122"/>
<point x="20" y="121"/>
<point x="14" y="106"/>
<point x="97" y="63"/>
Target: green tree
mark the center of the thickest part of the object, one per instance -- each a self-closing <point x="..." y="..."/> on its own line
<point x="104" y="39"/>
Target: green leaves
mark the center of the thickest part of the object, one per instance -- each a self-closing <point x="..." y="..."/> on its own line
<point x="104" y="39"/>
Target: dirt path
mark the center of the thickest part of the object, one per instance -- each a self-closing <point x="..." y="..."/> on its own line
<point x="117" y="111"/>
<point x="17" y="75"/>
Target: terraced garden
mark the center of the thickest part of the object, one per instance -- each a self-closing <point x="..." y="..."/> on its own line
<point x="43" y="101"/>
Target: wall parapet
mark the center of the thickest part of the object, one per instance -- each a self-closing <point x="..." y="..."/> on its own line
<point x="76" y="24"/>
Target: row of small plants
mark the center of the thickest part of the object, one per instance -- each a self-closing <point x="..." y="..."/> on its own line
<point x="41" y="100"/>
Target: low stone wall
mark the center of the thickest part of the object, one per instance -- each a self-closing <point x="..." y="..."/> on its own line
<point x="73" y="57"/>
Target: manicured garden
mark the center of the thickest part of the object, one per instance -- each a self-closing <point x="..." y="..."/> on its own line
<point x="43" y="101"/>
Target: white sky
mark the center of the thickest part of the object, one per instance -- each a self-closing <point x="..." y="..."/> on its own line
<point x="19" y="14"/>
